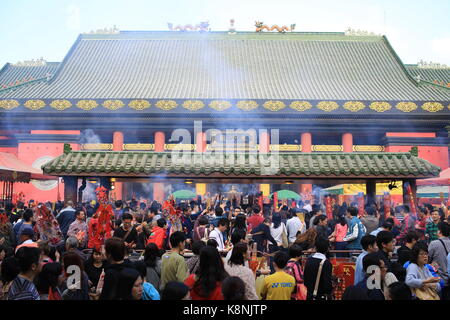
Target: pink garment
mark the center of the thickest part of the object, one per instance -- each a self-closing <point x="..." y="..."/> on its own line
<point x="341" y="231"/>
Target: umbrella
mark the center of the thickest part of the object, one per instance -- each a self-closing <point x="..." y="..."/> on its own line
<point x="287" y="194"/>
<point x="184" y="194"/>
<point x="442" y="180"/>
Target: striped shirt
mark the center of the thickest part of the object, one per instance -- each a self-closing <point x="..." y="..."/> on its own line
<point x="23" y="289"/>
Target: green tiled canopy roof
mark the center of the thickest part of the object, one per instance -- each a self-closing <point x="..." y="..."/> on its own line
<point x="309" y="165"/>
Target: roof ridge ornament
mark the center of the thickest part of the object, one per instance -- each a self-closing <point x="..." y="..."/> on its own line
<point x="232" y="29"/>
<point x="41" y="62"/>
<point x="431" y="65"/>
<point x="203" y="26"/>
<point x="67" y="148"/>
<point x="260" y="26"/>
<point x="414" y="151"/>
<point x="113" y="30"/>
<point x="359" y="32"/>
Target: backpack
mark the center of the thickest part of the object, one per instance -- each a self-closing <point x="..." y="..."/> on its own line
<point x="295" y="270"/>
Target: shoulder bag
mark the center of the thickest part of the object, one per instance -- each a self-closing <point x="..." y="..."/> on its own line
<point x="316" y="286"/>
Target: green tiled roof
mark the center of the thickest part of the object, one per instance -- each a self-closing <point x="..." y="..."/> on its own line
<point x="242" y="66"/>
<point x="320" y="165"/>
<point x="11" y="74"/>
<point x="430" y="74"/>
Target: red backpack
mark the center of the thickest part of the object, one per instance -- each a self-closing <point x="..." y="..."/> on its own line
<point x="295" y="270"/>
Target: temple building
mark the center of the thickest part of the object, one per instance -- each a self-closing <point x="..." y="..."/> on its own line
<point x="326" y="93"/>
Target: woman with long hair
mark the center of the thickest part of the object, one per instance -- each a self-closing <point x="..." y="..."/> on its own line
<point x="130" y="284"/>
<point x="94" y="267"/>
<point x="236" y="267"/>
<point x="340" y="230"/>
<point x="277" y="229"/>
<point x="207" y="282"/>
<point x="152" y="259"/>
<point x="306" y="240"/>
<point x="240" y="223"/>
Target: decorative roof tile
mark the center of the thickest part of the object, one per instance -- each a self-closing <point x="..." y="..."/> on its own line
<point x="320" y="165"/>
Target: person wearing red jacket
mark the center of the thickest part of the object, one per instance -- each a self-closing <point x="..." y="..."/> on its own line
<point x="159" y="234"/>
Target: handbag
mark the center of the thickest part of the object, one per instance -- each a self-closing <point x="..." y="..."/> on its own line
<point x="426" y="293"/>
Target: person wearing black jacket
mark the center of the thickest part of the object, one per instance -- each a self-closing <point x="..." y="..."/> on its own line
<point x="312" y="268"/>
<point x="405" y="252"/>
<point x="115" y="253"/>
<point x="261" y="233"/>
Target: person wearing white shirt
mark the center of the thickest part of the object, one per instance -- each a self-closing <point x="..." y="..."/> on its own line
<point x="217" y="234"/>
<point x="293" y="226"/>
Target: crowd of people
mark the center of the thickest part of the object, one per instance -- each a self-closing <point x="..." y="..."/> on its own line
<point x="208" y="251"/>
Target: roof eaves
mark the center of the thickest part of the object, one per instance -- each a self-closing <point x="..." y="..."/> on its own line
<point x="437" y="85"/>
<point x="17" y="86"/>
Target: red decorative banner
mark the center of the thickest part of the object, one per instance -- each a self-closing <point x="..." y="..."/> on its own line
<point x="412" y="202"/>
<point x="328" y="208"/>
<point x="275" y="202"/>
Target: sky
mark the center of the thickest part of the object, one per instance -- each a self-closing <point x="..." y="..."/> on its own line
<point x="30" y="29"/>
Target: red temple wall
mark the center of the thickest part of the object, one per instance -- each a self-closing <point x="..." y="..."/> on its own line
<point x="436" y="155"/>
<point x="29" y="153"/>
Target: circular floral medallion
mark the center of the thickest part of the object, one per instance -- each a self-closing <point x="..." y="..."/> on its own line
<point x="87" y="104"/>
<point x="327" y="106"/>
<point x="60" y="104"/>
<point x="432" y="106"/>
<point x="220" y="105"/>
<point x="166" y="104"/>
<point x="274" y="105"/>
<point x="139" y="104"/>
<point x="34" y="104"/>
<point x="193" y="105"/>
<point x="406" y="106"/>
<point x="113" y="104"/>
<point x="380" y="106"/>
<point x="301" y="105"/>
<point x="354" y="106"/>
<point x="9" y="104"/>
<point x="247" y="105"/>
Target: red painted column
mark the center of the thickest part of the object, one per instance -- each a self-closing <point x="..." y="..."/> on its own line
<point x="118" y="146"/>
<point x="117" y="141"/>
<point x="200" y="142"/>
<point x="158" y="187"/>
<point x="264" y="141"/>
<point x="347" y="142"/>
<point x="160" y="139"/>
<point x="306" y="141"/>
